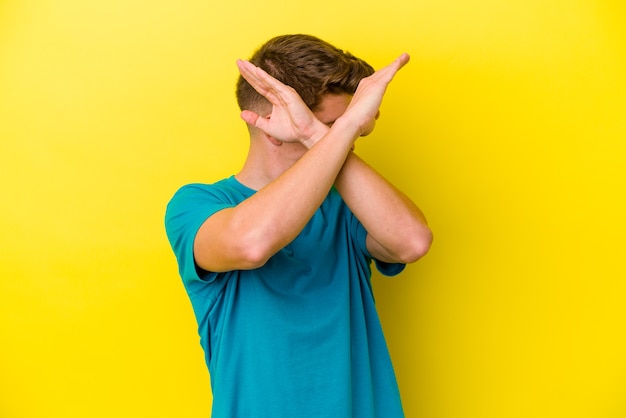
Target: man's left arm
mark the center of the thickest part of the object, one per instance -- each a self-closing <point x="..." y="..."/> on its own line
<point x="397" y="229"/>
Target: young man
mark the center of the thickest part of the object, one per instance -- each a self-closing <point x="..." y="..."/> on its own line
<point x="276" y="259"/>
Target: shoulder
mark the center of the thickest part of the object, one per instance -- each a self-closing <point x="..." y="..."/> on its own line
<point x="227" y="190"/>
<point x="201" y="189"/>
<point x="195" y="202"/>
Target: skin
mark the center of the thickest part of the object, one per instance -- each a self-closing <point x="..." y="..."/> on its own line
<point x="295" y="157"/>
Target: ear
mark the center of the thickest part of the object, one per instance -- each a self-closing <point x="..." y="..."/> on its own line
<point x="270" y="138"/>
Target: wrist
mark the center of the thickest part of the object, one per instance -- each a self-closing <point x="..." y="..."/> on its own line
<point x="317" y="133"/>
<point x="348" y="126"/>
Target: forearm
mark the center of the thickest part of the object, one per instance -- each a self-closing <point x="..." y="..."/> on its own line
<point x="271" y="218"/>
<point x="278" y="212"/>
<point x="393" y="222"/>
<point x="246" y="236"/>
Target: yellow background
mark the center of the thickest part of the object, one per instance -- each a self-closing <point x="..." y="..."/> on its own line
<point x="508" y="128"/>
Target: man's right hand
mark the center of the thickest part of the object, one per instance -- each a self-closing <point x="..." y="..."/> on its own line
<point x="290" y="120"/>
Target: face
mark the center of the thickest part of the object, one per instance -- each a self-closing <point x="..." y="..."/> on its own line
<point x="332" y="107"/>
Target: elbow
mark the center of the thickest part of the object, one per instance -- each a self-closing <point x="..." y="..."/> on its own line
<point x="253" y="257"/>
<point x="249" y="247"/>
<point x="255" y="249"/>
<point x="417" y="245"/>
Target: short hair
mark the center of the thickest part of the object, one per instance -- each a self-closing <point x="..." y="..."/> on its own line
<point x="311" y="66"/>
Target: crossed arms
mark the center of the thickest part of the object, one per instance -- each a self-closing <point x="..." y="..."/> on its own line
<point x="246" y="236"/>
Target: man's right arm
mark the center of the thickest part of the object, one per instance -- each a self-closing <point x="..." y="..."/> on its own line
<point x="247" y="235"/>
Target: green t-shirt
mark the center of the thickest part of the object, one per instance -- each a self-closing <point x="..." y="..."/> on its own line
<point x="298" y="337"/>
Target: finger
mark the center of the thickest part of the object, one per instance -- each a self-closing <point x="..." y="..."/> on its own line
<point x="388" y="72"/>
<point x="398" y="63"/>
<point x="403" y="60"/>
<point x="248" y="72"/>
<point x="262" y="82"/>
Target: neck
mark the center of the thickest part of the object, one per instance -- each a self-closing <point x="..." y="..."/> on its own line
<point x="266" y="161"/>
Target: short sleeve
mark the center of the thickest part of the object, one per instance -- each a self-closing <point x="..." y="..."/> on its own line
<point x="186" y="212"/>
<point x="387" y="269"/>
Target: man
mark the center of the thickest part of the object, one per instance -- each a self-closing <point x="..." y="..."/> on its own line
<point x="276" y="259"/>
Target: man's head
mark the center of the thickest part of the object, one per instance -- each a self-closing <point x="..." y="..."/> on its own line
<point x="313" y="67"/>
